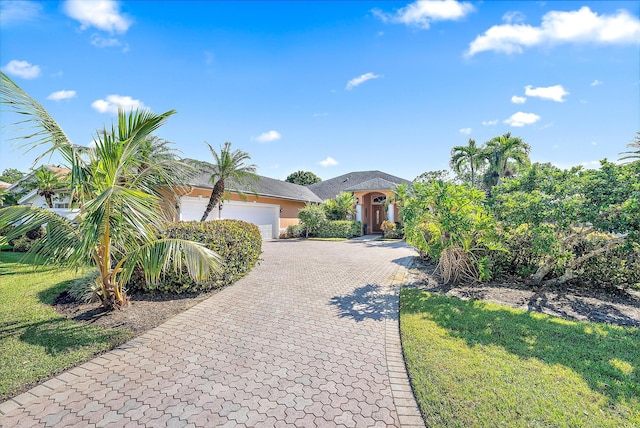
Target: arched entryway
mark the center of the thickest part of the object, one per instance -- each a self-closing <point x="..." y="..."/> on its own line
<point x="373" y="208"/>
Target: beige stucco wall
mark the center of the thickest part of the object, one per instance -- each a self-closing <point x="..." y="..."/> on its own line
<point x="288" y="209"/>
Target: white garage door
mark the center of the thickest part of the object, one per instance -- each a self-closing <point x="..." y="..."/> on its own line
<point x="265" y="216"/>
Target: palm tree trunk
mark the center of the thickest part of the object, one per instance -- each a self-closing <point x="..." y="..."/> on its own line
<point x="216" y="196"/>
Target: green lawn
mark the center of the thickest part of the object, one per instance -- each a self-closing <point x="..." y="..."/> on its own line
<point x="35" y="342"/>
<point x="473" y="363"/>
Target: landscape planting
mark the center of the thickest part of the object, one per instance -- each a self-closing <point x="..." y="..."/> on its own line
<point x="536" y="222"/>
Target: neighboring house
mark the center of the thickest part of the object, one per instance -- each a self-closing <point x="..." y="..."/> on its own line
<point x="61" y="202"/>
<point x="271" y="204"/>
<point x="4" y="185"/>
<point x="373" y="191"/>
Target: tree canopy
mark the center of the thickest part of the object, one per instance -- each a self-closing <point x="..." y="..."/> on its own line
<point x="11" y="175"/>
<point x="303" y="178"/>
<point x="228" y="167"/>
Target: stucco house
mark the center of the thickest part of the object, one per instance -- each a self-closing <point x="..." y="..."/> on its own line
<point x="372" y="190"/>
<point x="271" y="204"/>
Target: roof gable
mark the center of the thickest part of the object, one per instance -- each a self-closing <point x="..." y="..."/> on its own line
<point x="356" y="181"/>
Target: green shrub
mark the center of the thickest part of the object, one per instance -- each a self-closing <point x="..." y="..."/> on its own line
<point x="617" y="267"/>
<point x="312" y="217"/>
<point x="392" y="230"/>
<point x="238" y="243"/>
<point x="295" y="231"/>
<point x="23" y="243"/>
<point x="339" y="229"/>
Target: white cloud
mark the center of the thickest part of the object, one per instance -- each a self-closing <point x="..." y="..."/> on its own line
<point x="513" y="16"/>
<point x="16" y="12"/>
<point x="596" y="83"/>
<point x="61" y="95"/>
<point x="103" y="14"/>
<point x="518" y="100"/>
<point x="522" y="119"/>
<point x="593" y="143"/>
<point x="580" y="26"/>
<point x="267" y="137"/>
<point x="422" y="12"/>
<point x="104" y="42"/>
<point x="555" y="93"/>
<point x="22" y="69"/>
<point x="465" y="131"/>
<point x="490" y="122"/>
<point x="320" y="114"/>
<point x="328" y="162"/>
<point x="548" y="125"/>
<point x="356" y="81"/>
<point x="594" y="164"/>
<point x="113" y="102"/>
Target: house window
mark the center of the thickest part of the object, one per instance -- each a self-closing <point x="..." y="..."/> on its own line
<point x="60" y="205"/>
<point x="379" y="199"/>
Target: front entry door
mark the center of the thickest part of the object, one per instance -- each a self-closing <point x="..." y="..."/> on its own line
<point x="378" y="218"/>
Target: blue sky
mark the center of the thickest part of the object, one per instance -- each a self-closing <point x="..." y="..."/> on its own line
<point x="333" y="87"/>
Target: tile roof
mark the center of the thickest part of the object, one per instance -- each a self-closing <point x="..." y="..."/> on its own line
<point x="356" y="181"/>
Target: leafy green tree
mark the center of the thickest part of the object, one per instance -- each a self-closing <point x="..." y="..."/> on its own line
<point x="451" y="225"/>
<point x="312" y="216"/>
<point x="470" y="156"/>
<point x="47" y="183"/>
<point x="4" y="196"/>
<point x="228" y="167"/>
<point x="303" y="178"/>
<point x="11" y="175"/>
<point x="122" y="212"/>
<point x="428" y="176"/>
<point x="342" y="207"/>
<point x="505" y="155"/>
<point x="633" y="154"/>
<point x="555" y="213"/>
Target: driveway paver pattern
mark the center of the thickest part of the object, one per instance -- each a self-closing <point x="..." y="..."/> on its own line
<point x="309" y="339"/>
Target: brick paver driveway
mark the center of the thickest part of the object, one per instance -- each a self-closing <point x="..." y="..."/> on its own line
<point x="309" y="338"/>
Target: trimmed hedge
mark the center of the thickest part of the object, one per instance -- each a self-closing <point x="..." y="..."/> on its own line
<point x="339" y="229"/>
<point x="237" y="242"/>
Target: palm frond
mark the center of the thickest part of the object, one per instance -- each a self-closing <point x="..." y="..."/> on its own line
<point x="62" y="238"/>
<point x="159" y="256"/>
<point x="40" y="127"/>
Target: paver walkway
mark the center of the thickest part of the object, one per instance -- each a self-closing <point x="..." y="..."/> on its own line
<point x="308" y="338"/>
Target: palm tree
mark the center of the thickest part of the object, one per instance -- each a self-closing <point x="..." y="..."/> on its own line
<point x="47" y="183"/>
<point x="632" y="154"/>
<point x="470" y="155"/>
<point x="121" y="213"/>
<point x="505" y="154"/>
<point x="342" y="207"/>
<point x="228" y="167"/>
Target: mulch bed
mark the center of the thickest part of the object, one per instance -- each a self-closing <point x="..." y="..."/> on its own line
<point x="144" y="312"/>
<point x="610" y="305"/>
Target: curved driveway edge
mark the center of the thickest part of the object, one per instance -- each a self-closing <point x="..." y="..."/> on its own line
<point x="309" y="338"/>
